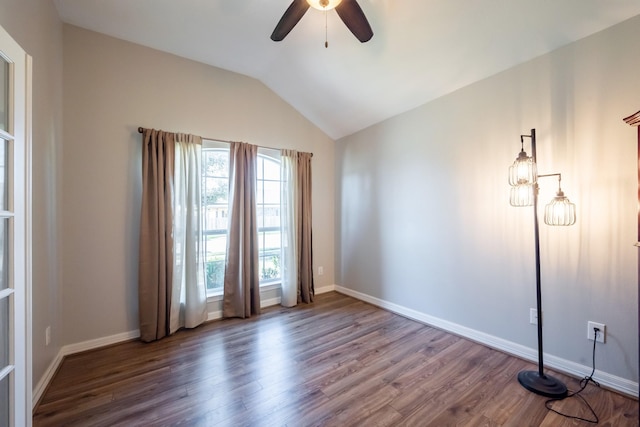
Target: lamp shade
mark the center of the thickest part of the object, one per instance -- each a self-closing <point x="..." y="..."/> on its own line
<point x="521" y="195"/>
<point x="323" y="4"/>
<point x="523" y="170"/>
<point x="560" y="211"/>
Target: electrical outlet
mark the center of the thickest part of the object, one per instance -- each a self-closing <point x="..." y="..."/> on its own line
<point x="602" y="333"/>
<point x="533" y="316"/>
<point x="47" y="336"/>
<point x="320" y="271"/>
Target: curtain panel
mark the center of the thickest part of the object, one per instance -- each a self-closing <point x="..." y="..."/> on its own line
<point x="289" y="217"/>
<point x="241" y="272"/>
<point x="156" y="243"/>
<point x="171" y="286"/>
<point x="297" y="255"/>
<point x="189" y="294"/>
<point x="304" y="233"/>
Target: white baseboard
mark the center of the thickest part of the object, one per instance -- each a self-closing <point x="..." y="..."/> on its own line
<point x="622" y="385"/>
<point x="39" y="389"/>
<point x="214" y="315"/>
<point x="325" y="289"/>
<point x="99" y="342"/>
<point x="269" y="302"/>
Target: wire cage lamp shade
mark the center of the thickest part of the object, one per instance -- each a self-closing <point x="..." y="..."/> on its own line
<point x="521" y="195"/>
<point x="523" y="171"/>
<point x="560" y="211"/>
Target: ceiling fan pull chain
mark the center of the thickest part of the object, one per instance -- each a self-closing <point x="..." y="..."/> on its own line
<point x="326" y="41"/>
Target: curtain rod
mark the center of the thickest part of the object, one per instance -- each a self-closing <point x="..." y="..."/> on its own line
<point x="141" y="129"/>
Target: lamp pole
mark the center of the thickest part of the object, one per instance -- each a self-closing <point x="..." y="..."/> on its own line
<point x="538" y="382"/>
<point x="536" y="233"/>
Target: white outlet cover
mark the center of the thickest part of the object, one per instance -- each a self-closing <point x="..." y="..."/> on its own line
<point x="602" y="333"/>
<point x="533" y="316"/>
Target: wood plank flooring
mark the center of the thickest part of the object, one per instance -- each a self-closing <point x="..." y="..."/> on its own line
<point x="336" y="362"/>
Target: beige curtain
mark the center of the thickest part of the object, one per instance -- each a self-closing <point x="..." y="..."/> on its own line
<point x="304" y="238"/>
<point x="295" y="199"/>
<point x="241" y="275"/>
<point x="289" y="218"/>
<point x="156" y="243"/>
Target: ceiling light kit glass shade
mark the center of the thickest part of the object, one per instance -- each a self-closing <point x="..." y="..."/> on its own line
<point x="323" y="4"/>
<point x="523" y="178"/>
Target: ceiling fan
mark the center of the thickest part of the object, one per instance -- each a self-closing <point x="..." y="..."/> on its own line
<point x="348" y="10"/>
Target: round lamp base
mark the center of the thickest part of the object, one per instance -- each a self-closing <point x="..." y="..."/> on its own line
<point x="544" y="385"/>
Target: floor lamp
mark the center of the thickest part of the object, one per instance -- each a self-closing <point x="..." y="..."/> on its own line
<point x="523" y="178"/>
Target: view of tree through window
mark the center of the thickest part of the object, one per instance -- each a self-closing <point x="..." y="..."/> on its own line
<point x="215" y="200"/>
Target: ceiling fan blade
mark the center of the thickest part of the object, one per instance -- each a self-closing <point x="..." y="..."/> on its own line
<point x="353" y="17"/>
<point x="291" y="16"/>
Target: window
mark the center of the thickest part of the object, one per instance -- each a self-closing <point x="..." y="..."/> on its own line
<point x="215" y="200"/>
<point x="268" y="215"/>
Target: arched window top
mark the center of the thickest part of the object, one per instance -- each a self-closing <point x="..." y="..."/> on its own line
<point x="268" y="167"/>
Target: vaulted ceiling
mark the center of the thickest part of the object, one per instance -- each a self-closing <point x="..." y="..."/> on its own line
<point x="421" y="49"/>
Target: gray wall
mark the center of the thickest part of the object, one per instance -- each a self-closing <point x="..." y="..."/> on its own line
<point x="423" y="218"/>
<point x="34" y="24"/>
<point x="111" y="88"/>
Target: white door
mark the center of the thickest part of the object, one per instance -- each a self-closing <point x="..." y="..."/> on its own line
<point x="15" y="335"/>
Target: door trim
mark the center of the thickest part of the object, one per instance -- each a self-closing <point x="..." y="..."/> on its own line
<point x="21" y="206"/>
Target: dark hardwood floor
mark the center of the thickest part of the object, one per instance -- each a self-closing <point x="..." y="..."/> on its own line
<point x="336" y="362"/>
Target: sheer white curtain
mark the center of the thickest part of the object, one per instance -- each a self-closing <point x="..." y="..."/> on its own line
<point x="188" y="294"/>
<point x="288" y="215"/>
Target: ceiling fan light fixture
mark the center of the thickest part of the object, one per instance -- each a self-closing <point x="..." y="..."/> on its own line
<point x="323" y="4"/>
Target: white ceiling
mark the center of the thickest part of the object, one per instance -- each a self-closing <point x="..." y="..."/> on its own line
<point x="421" y="49"/>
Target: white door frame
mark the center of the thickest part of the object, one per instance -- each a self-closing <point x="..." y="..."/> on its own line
<point x="19" y="213"/>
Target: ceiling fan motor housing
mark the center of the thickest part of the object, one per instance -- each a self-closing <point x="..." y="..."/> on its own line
<point x="324" y="4"/>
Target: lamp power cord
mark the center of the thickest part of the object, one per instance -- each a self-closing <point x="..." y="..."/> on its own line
<point x="584" y="382"/>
